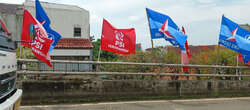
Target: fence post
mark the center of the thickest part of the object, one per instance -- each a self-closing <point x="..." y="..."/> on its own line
<point x="66" y="65"/>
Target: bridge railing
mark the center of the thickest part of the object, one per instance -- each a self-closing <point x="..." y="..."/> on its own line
<point x="65" y="67"/>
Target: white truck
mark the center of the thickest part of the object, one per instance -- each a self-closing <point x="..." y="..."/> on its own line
<point x="10" y="96"/>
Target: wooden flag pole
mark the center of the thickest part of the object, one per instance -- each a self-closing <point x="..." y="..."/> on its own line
<point x="150" y="31"/>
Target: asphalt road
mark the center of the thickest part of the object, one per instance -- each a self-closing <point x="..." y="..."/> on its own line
<point x="195" y="104"/>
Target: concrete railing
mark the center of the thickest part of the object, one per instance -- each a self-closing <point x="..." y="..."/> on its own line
<point x="48" y="87"/>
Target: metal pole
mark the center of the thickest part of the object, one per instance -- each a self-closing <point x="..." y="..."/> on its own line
<point x="20" y="51"/>
<point x="217" y="58"/>
<point x="99" y="53"/>
<point x="237" y="64"/>
<point x="237" y="59"/>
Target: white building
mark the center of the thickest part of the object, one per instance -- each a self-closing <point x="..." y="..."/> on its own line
<point x="12" y="16"/>
<point x="71" y="22"/>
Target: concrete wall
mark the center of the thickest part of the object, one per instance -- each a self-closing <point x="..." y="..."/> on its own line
<point x="38" y="91"/>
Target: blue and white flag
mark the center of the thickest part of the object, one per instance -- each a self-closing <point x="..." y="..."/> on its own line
<point x="235" y="38"/>
<point x="162" y="26"/>
<point x="246" y="58"/>
<point x="244" y="42"/>
<point x="42" y="17"/>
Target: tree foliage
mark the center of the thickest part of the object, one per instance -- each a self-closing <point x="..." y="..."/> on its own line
<point x="24" y="53"/>
<point x="104" y="55"/>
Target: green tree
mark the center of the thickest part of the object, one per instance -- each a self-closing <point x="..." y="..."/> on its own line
<point x="26" y="53"/>
<point x="104" y="56"/>
<point x="173" y="57"/>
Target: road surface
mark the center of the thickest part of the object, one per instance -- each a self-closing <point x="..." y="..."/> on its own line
<point x="195" y="104"/>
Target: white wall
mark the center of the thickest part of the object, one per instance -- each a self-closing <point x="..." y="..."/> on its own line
<point x="70" y="52"/>
<point x="13" y="22"/>
<point x="10" y="23"/>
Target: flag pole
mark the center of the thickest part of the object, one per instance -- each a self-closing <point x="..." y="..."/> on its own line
<point x="237" y="64"/>
<point x="150" y="31"/>
<point x="20" y="52"/>
<point x="217" y="52"/>
<point x="218" y="55"/>
<point x="152" y="43"/>
<point x="98" y="59"/>
<point x="99" y="53"/>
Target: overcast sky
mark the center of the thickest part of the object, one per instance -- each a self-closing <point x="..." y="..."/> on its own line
<point x="201" y="18"/>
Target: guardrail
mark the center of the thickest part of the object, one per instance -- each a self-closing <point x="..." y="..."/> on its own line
<point x="214" y="70"/>
<point x="123" y="73"/>
<point x="132" y="63"/>
<point x="127" y="79"/>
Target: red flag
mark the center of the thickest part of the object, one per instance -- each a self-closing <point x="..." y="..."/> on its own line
<point x="139" y="46"/>
<point x="187" y="50"/>
<point x="119" y="41"/>
<point x="185" y="55"/>
<point x="240" y="57"/>
<point x="3" y="27"/>
<point x="205" y="47"/>
<point x="34" y="32"/>
<point x="184" y="58"/>
<point x="186" y="44"/>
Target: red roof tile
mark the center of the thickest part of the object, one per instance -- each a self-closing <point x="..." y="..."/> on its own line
<point x="74" y="43"/>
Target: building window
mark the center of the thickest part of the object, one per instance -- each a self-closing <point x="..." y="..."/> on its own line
<point x="77" y="32"/>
